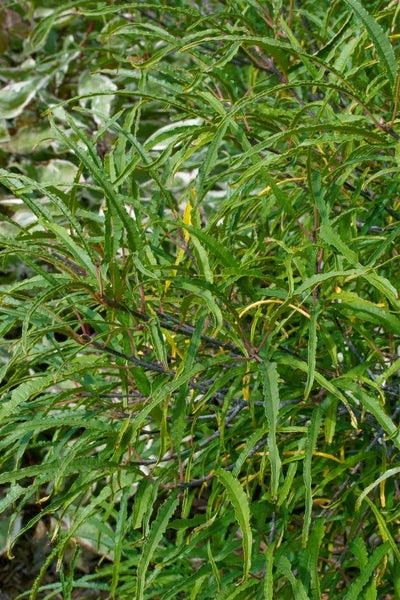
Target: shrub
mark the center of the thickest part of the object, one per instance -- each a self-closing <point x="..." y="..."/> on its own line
<point x="198" y="304"/>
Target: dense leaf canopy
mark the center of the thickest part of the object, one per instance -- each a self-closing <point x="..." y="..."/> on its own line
<point x="199" y="310"/>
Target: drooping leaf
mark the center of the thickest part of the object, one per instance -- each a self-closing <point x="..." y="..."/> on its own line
<point x="240" y="503"/>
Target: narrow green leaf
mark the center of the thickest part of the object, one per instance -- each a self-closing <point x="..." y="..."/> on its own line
<point x="15" y="492"/>
<point x="50" y="470"/>
<point x="373" y="406"/>
<point x="287" y="486"/>
<point x="312" y="349"/>
<point x="161" y="394"/>
<point x="49" y="560"/>
<point x="179" y="410"/>
<point x="296" y="45"/>
<point x="268" y="588"/>
<point x="213" y="565"/>
<point x="359" y="549"/>
<point x="309" y="283"/>
<point x="255" y="437"/>
<point x="281" y="196"/>
<point x="374" y="484"/>
<point x="113" y="232"/>
<point x="365" y="310"/>
<point x="307" y="471"/>
<point x="333" y="238"/>
<point x="238" y="591"/>
<point x="393" y="368"/>
<point x="383" y="529"/>
<point x="330" y="418"/>
<point x="157" y="530"/>
<point x="70" y="419"/>
<point x="356" y="588"/>
<point x="269" y="377"/>
<point x="23" y="392"/>
<point x="324" y="382"/>
<point x="284" y="566"/>
<point x="379" y="39"/>
<point x="203" y="289"/>
<point x="37" y="305"/>
<point x="240" y="503"/>
<point x="384" y="286"/>
<point x="119" y="538"/>
<point x="158" y="341"/>
<point x="212" y="243"/>
<point x="313" y="557"/>
<point x="199" y="583"/>
<point x="83" y="513"/>
<point x="142" y="502"/>
<point x="203" y="261"/>
<point x="211" y="158"/>
<point x="76" y="251"/>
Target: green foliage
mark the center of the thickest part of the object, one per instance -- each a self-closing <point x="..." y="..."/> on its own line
<point x="199" y="296"/>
